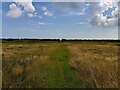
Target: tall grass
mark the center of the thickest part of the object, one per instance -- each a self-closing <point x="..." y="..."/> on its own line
<point x="60" y="64"/>
<point x="96" y="65"/>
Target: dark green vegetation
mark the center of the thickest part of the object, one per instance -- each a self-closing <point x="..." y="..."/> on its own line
<point x="85" y="64"/>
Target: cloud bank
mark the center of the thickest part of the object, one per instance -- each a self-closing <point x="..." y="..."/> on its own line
<point x="99" y="19"/>
<point x="96" y="11"/>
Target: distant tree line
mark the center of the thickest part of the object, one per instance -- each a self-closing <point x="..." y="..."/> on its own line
<point x="62" y="40"/>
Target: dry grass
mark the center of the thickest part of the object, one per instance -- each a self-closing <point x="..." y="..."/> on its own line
<point x="54" y="64"/>
<point x="22" y="62"/>
<point x="96" y="64"/>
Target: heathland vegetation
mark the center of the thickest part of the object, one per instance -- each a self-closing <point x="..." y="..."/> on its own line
<point x="54" y="64"/>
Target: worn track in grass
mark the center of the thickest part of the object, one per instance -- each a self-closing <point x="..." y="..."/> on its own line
<point x="59" y="64"/>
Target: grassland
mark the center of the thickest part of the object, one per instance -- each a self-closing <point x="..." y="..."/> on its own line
<point x="87" y="64"/>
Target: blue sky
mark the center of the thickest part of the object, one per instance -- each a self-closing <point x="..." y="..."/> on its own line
<point x="81" y="20"/>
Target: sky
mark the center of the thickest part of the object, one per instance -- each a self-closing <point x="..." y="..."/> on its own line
<point x="46" y="20"/>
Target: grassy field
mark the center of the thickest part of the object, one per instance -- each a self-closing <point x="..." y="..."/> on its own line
<point x="52" y="64"/>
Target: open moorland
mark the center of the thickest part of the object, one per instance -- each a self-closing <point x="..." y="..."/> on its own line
<point x="55" y="64"/>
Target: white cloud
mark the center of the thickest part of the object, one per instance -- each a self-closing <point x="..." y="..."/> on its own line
<point x="28" y="6"/>
<point x="87" y="4"/>
<point x="81" y="13"/>
<point x="20" y="7"/>
<point x="74" y="13"/>
<point x="81" y="23"/>
<point x="43" y="8"/>
<point x="115" y="13"/>
<point x="41" y="23"/>
<point x="84" y="9"/>
<point x="47" y="13"/>
<point x="14" y="11"/>
<point x="39" y="16"/>
<point x="44" y="24"/>
<point x="30" y="15"/>
<point x="98" y="19"/>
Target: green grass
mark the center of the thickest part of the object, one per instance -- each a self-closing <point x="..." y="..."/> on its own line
<point x="61" y="75"/>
